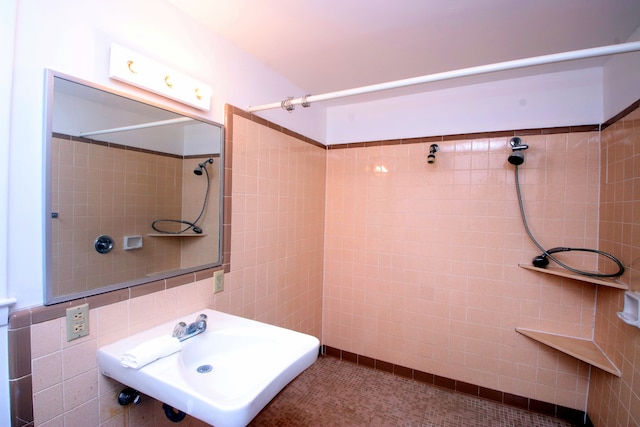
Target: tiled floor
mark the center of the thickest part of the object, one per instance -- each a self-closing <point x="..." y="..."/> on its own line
<point x="339" y="393"/>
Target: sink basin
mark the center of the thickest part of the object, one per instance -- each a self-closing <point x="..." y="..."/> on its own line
<point x="224" y="376"/>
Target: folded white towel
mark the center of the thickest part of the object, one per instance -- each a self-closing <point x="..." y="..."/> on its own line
<point x="150" y="351"/>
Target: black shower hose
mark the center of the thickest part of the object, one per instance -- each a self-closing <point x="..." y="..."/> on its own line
<point x="545" y="252"/>
<point x="189" y="225"/>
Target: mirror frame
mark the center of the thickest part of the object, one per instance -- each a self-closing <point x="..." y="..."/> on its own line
<point x="49" y="298"/>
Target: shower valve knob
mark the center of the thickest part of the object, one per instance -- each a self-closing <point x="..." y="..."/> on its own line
<point x="103" y="244"/>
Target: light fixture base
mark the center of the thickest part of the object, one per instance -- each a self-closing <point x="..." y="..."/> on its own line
<point x="137" y="70"/>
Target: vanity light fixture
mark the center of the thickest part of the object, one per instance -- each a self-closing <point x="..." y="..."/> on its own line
<point x="135" y="69"/>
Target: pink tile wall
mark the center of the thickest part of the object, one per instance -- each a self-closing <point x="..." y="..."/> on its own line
<point x="615" y="401"/>
<point x="100" y="190"/>
<point x="421" y="262"/>
<point x="277" y="228"/>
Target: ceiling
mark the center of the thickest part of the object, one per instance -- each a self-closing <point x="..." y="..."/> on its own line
<point x="330" y="45"/>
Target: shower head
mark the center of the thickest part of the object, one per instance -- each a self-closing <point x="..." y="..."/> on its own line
<point x="431" y="158"/>
<point x="517" y="156"/>
<point x="541" y="261"/>
<point x="203" y="165"/>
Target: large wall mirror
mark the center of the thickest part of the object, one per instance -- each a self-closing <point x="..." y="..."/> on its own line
<point x="133" y="191"/>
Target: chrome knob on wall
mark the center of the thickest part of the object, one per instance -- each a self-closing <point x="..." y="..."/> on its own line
<point x="103" y="244"/>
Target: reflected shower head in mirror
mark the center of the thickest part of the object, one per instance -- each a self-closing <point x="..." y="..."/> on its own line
<point x="198" y="169"/>
<point x="517" y="156"/>
<point x="189" y="225"/>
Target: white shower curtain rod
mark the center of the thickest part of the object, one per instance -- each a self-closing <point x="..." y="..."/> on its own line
<point x="135" y="127"/>
<point x="289" y="103"/>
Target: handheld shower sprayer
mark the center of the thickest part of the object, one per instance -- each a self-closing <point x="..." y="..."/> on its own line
<point x="517" y="156"/>
<point x="203" y="165"/>
<point x="188" y="225"/>
<point x="431" y="158"/>
<point x="541" y="261"/>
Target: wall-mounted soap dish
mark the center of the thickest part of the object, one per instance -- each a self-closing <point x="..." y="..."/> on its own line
<point x="631" y="308"/>
<point x="132" y="242"/>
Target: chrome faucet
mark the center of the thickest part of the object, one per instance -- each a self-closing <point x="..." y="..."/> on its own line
<point x="184" y="332"/>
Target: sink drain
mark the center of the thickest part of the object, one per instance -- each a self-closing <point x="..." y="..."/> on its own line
<point x="204" y="369"/>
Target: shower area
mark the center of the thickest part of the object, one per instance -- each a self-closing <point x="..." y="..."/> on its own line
<point x="416" y="262"/>
<point x="421" y="260"/>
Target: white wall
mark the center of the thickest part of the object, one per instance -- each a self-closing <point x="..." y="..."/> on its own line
<point x="546" y="100"/>
<point x="621" y="80"/>
<point x="73" y="37"/>
<point x="7" y="18"/>
<point x="7" y="26"/>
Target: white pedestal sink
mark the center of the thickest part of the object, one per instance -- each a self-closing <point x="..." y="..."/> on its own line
<point x="224" y="376"/>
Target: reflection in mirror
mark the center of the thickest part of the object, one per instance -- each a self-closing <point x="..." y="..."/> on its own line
<point x="146" y="177"/>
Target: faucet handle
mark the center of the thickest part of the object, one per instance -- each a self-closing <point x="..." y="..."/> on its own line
<point x="201" y="322"/>
<point x="179" y="330"/>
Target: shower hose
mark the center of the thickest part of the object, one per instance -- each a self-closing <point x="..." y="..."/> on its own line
<point x="548" y="252"/>
<point x="189" y="225"/>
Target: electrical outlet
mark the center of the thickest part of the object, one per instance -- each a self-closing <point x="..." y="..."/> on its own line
<point x="77" y="322"/>
<point x="218" y="281"/>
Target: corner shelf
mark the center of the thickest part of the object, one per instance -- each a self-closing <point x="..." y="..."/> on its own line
<point x="586" y="350"/>
<point x="582" y="349"/>
<point x="176" y="235"/>
<point x="568" y="275"/>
